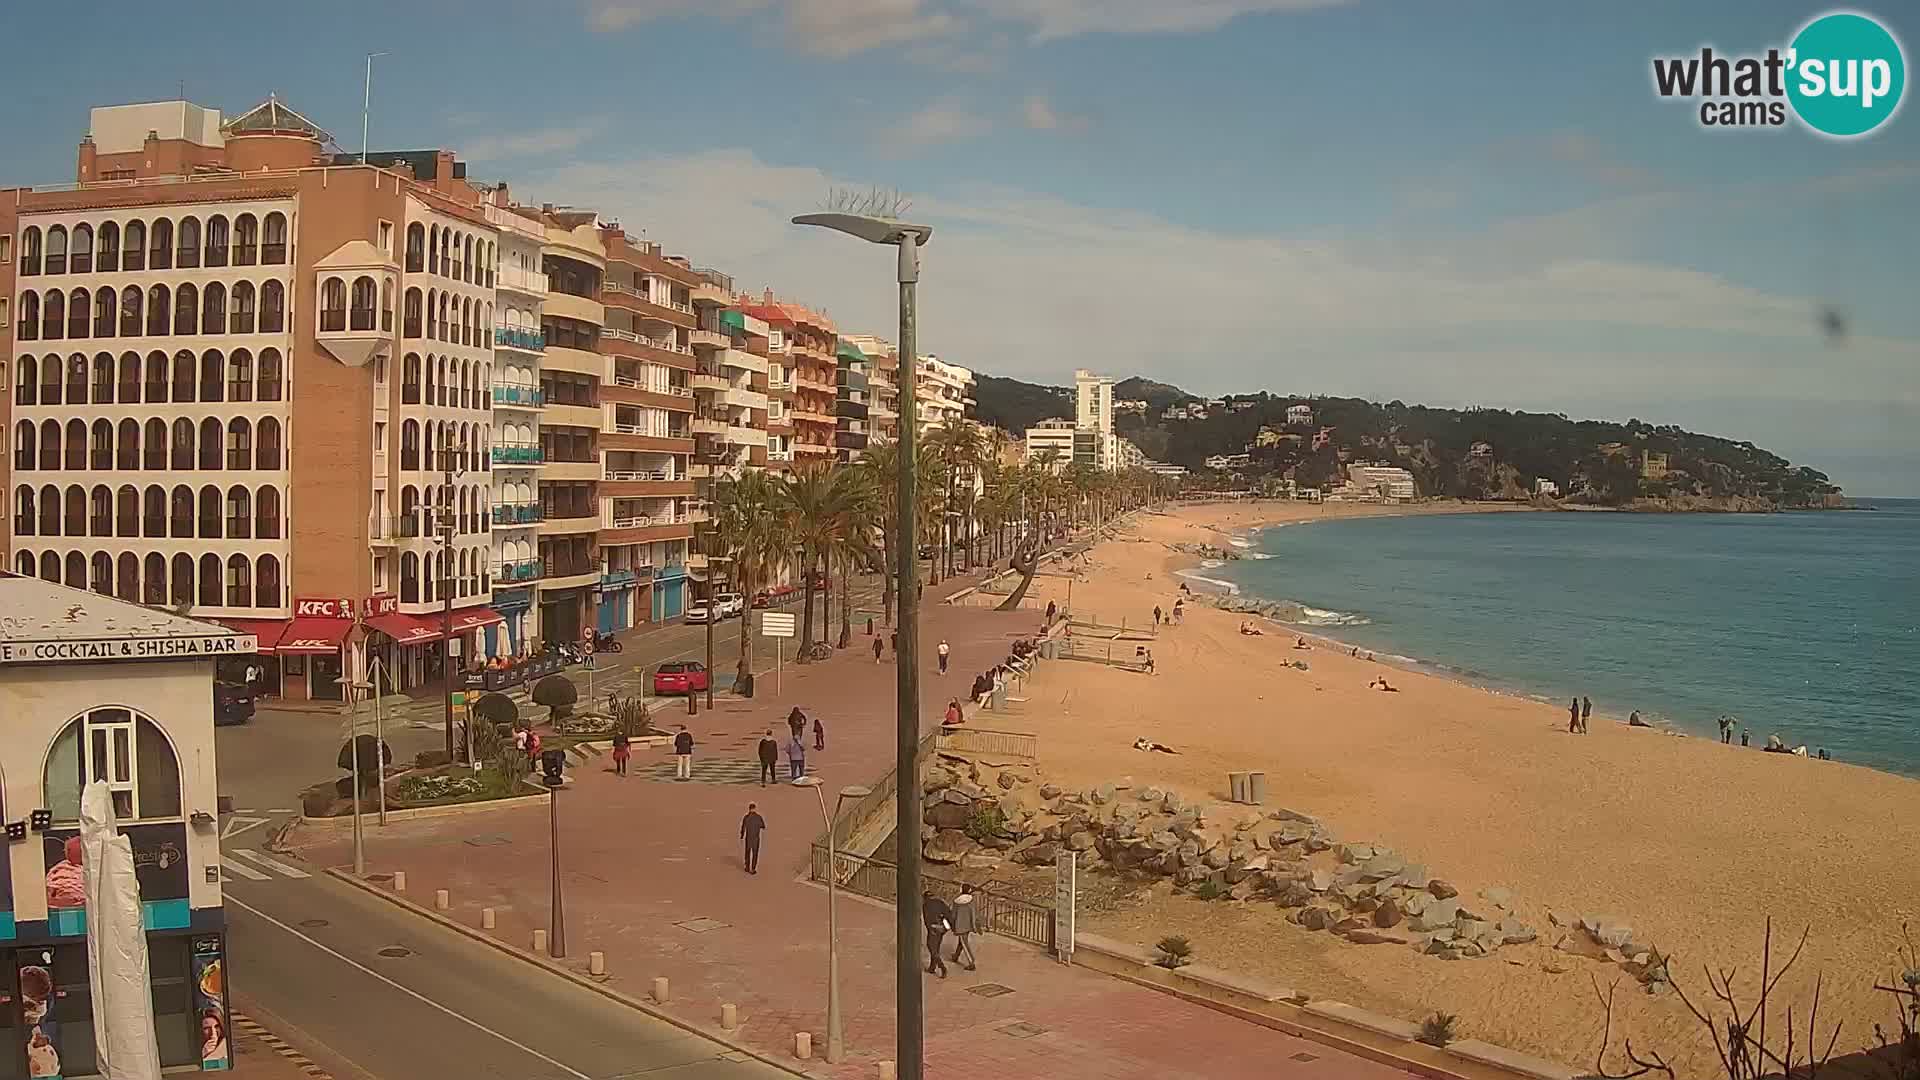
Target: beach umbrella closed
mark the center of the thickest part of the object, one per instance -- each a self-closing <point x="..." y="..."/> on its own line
<point x="116" y="946"/>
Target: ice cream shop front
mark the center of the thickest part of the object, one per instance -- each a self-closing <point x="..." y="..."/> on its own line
<point x="110" y="705"/>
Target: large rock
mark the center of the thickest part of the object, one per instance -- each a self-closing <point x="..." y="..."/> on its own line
<point x="1355" y="853"/>
<point x="946" y="846"/>
<point x="1438" y="914"/>
<point x="1294" y="895"/>
<point x="1101" y="795"/>
<point x="946" y="815"/>
<point x="1388" y="913"/>
<point x="1216" y="857"/>
<point x="1381" y="867"/>
<point x="979" y="860"/>
<point x="1262" y="841"/>
<point x="1247" y="821"/>
<point x="1292" y="833"/>
<point x="971" y="790"/>
<point x="1164" y="841"/>
<point x="1322" y="880"/>
<point x="1040" y="854"/>
<point x="1316" y="918"/>
<point x="1240" y="850"/>
<point x="1245" y="889"/>
<point x="1049" y="790"/>
<point x="1172" y="802"/>
<point x="1080" y="841"/>
<point x="956" y="796"/>
<point x="1318" y="841"/>
<point x="1189" y="853"/>
<point x="1150" y="794"/>
<point x="1514" y="932"/>
<point x="1284" y="814"/>
<point x="1008" y="781"/>
<point x="1376" y="935"/>
<point x="1442" y="890"/>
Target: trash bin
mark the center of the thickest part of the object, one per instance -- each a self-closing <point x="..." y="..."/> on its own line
<point x="1237" y="786"/>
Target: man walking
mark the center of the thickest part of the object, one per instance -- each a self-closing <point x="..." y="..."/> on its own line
<point x="1573" y="718"/>
<point x="943" y="650"/>
<point x="683" y="754"/>
<point x="878" y="645"/>
<point x="939" y="919"/>
<point x="769" y="757"/>
<point x="1156" y="616"/>
<point x="1586" y="712"/>
<point x="963" y="926"/>
<point x="797" y="722"/>
<point x="796" y="757"/>
<point x="751" y="827"/>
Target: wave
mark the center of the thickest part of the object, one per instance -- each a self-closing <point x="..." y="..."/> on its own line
<point x="1312" y="616"/>
<point x="1239" y="543"/>
<point x="1229" y="587"/>
<point x="1260" y="555"/>
<point x="1211" y="564"/>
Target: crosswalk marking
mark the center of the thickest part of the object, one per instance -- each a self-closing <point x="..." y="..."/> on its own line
<point x="263" y="859"/>
<point x="241" y="869"/>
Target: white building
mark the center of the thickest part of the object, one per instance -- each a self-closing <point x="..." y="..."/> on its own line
<point x="942" y="391"/>
<point x="1092" y="401"/>
<point x="1051" y="437"/>
<point x="1386" y="482"/>
<point x="518" y="344"/>
<point x="1301" y="414"/>
<point x="1546" y="487"/>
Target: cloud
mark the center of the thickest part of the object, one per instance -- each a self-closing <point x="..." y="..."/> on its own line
<point x="832" y="28"/>
<point x="1051" y="19"/>
<point x="1593" y="160"/>
<point x="941" y="121"/>
<point x="531" y="143"/>
<point x="1039" y="115"/>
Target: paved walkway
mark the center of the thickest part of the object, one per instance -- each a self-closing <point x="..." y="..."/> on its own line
<point x="653" y="878"/>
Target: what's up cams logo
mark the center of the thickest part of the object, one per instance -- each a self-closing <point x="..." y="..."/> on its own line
<point x="1842" y="76"/>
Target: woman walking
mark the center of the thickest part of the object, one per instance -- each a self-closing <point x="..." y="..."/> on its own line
<point x="622" y="751"/>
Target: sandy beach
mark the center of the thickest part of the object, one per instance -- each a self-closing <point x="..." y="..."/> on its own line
<point x="1692" y="843"/>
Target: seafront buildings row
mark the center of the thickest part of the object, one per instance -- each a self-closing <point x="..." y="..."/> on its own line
<point x="341" y="405"/>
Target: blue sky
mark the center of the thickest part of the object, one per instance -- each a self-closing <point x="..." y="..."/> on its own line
<point x="1459" y="203"/>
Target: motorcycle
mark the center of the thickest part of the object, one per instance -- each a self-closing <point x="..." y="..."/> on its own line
<point x="606" y="643"/>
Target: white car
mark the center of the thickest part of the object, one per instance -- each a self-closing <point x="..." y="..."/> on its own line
<point x="729" y="604"/>
<point x="699" y="612"/>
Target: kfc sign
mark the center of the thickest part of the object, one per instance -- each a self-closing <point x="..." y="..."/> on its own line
<point x="384" y="604"/>
<point x="314" y="607"/>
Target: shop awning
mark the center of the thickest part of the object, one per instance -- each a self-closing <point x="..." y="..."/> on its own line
<point x="265" y="631"/>
<point x="313" y="637"/>
<point x="407" y="629"/>
<point x="470" y="618"/>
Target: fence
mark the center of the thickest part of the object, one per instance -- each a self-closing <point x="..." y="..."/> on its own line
<point x="1123" y="654"/>
<point x="877" y="802"/>
<point x="995" y="910"/>
<point x="970" y="740"/>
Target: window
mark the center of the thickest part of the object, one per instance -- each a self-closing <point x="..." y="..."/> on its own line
<point x="241" y="316"/>
<point x="410" y="314"/>
<point x="386" y="306"/>
<point x="213" y="372"/>
<point x="156" y="384"/>
<point x="30" y="251"/>
<point x="266" y="523"/>
<point x="126" y="516"/>
<point x="333" y="305"/>
<point x="153" y="584"/>
<point x="273" y="248"/>
<point x="266" y="583"/>
<point x="125" y="750"/>
<point x="269" y="452"/>
<point x="182" y="455"/>
<point x="29" y="316"/>
<point x="136" y="245"/>
<point x="186" y="309"/>
<point x="273" y="308"/>
<point x="103" y="379"/>
<point x="154" y="457"/>
<point x="240" y="376"/>
<point x="129" y="587"/>
<point x="106" y="312"/>
<point x="129" y="379"/>
<point x="57" y="250"/>
<point x="386" y="238"/>
<point x="6" y="306"/>
<point x="79" y="314"/>
<point x="131" y="319"/>
<point x="189" y="253"/>
<point x="364" y="292"/>
<point x="246" y="240"/>
<point x="210" y="525"/>
<point x="53" y="319"/>
<point x="416" y="249"/>
<point x="24" y="438"/>
<point x="109" y="247"/>
<point x="159" y="306"/>
<point x="23" y="514"/>
<point x="216" y="241"/>
<point x="270" y="375"/>
<point x="409" y="379"/>
<point x="239" y="518"/>
<point x="240" y="443"/>
<point x="160" y="246"/>
<point x="6" y="247"/>
<point x="82" y="249"/>
<point x="212" y="437"/>
<point x="181" y="591"/>
<point x="213" y="308"/>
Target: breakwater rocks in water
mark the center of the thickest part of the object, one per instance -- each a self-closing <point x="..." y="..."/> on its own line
<point x="1279" y="610"/>
<point x="1208" y="551"/>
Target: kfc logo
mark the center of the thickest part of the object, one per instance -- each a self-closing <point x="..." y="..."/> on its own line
<point x="317" y="608"/>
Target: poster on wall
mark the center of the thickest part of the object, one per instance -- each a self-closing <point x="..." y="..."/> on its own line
<point x="210" y="1003"/>
<point x="159" y="865"/>
<point x="40" y="1031"/>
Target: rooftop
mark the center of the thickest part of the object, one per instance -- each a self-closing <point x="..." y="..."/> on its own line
<point x="42" y="613"/>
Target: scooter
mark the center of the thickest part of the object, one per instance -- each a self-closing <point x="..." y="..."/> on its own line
<point x="606" y="643"/>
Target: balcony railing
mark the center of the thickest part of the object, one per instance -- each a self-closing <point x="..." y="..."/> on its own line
<point x="531" y="281"/>
<point x="675" y="391"/>
<point x="530" y="340"/>
<point x="640" y="429"/>
<point x="529" y="396"/>
<point x="639" y="474"/>
<point x="628" y="290"/>
<point x="524" y="570"/>
<point x="518" y="455"/>
<point x="516" y="513"/>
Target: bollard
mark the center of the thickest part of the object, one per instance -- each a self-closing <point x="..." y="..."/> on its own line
<point x="1237" y="784"/>
<point x="486" y="918"/>
<point x="802" y="1045"/>
<point x="1256" y="788"/>
<point x="660" y="989"/>
<point x="399" y="881"/>
<point x="729" y="1016"/>
<point x="886" y="1070"/>
<point x="441" y="900"/>
<point x="693" y="703"/>
<point x="596" y="963"/>
<point x="539" y="941"/>
<point x="869" y="626"/>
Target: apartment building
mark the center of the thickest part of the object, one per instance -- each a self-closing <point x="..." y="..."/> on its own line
<point x="803" y="378"/>
<point x="852" y="412"/>
<point x="943" y="391"/>
<point x="883" y="385"/>
<point x="518" y="399"/>
<point x="1051" y="441"/>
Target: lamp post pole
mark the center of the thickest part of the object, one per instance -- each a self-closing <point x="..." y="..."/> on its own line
<point x="836" y="1044"/>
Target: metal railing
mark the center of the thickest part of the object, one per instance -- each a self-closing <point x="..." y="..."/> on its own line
<point x="530" y="340"/>
<point x="628" y="290"/>
<point x="639" y="474"/>
<point x="529" y="396"/>
<point x="516" y="513"/>
<point x="518" y="455"/>
<point x="972" y="740"/>
<point x="996" y="911"/>
<point x="524" y="570"/>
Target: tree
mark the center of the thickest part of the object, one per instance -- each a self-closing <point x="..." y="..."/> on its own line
<point x="747" y="533"/>
<point x="817" y="512"/>
<point x="960" y="448"/>
<point x="558" y="694"/>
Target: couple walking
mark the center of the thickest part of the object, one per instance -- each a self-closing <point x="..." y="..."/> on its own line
<point x="1578" y="714"/>
<point x="943" y="918"/>
<point x="796" y="748"/>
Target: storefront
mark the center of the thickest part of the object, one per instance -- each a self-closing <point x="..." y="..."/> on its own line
<point x="617" y="600"/>
<point x="410" y="648"/>
<point x="669" y="592"/>
<point x="564" y="613"/>
<point x="315" y="657"/>
<point x="97" y="690"/>
<point x="516" y="633"/>
<point x="263" y="662"/>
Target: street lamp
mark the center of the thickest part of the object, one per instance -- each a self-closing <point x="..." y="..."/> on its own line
<point x="836" y="1047"/>
<point x="910" y="1023"/>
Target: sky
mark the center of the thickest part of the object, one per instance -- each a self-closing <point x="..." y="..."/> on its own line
<point x="1456" y="203"/>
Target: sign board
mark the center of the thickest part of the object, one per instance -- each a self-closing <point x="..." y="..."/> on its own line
<point x="781" y="624"/>
<point x="1064" y="889"/>
<point x="383" y="604"/>
<point x="322" y="607"/>
<point x="183" y="646"/>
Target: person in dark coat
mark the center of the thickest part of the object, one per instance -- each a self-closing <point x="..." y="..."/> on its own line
<point x="819" y="735"/>
<point x="769" y="757"/>
<point x="939" y="919"/>
<point x="1586" y="713"/>
<point x="1573" y="717"/>
<point x="683" y="754"/>
<point x="751" y="827"/>
<point x="797" y="722"/>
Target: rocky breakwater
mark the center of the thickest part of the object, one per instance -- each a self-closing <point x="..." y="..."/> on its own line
<point x="1279" y="610"/>
<point x="1207" y="551"/>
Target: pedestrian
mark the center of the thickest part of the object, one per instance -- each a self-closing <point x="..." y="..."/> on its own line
<point x="943" y="650"/>
<point x="622" y="750"/>
<point x="751" y="827"/>
<point x="683" y="754"/>
<point x="1156" y="616"/>
<point x="1052" y="610"/>
<point x="963" y="925"/>
<point x="893" y="642"/>
<point x="1726" y="729"/>
<point x="1746" y="737"/>
<point x="1149" y="661"/>
<point x="1573" y="718"/>
<point x="819" y="734"/>
<point x="253" y="678"/>
<point x="1586" y="712"/>
<point x="939" y="919"/>
<point x="796" y="757"/>
<point x="797" y="722"/>
<point x="533" y="749"/>
<point x="953" y="717"/>
<point x="878" y="646"/>
<point x="769" y="757"/>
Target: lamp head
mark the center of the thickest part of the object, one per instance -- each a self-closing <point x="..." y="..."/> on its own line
<point x="871" y="229"/>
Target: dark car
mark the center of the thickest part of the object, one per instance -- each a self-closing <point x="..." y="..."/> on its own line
<point x="680" y="677"/>
<point x="232" y="704"/>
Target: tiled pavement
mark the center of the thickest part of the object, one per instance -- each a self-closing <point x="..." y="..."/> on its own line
<point x="654" y="879"/>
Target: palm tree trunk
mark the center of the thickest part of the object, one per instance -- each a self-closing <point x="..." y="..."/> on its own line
<point x="846" y="599"/>
<point x="744" y="669"/>
<point x="887" y="576"/>
<point x="826" y="595"/>
<point x="806" y="603"/>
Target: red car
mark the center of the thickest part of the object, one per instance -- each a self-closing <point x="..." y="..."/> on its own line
<point x="680" y="677"/>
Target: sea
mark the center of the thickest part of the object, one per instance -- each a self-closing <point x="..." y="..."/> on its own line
<point x="1802" y="624"/>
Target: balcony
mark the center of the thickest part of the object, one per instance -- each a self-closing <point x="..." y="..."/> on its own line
<point x="529" y="282"/>
<point x="711" y="381"/>
<point x="807" y="416"/>
<point x="620" y="579"/>
<point x="511" y="572"/>
<point x="568" y="414"/>
<point x="617" y="342"/>
<point x="518" y="397"/>
<point x="561" y="520"/>
<point x="664" y="311"/>
<point x="578" y="308"/>
<point x="742" y="360"/>
<point x="525" y="340"/>
<point x="744" y="397"/>
<point x="520" y="456"/>
<point x="517" y="514"/>
<point x="780" y="456"/>
<point x="709" y="339"/>
<point x="708" y="293"/>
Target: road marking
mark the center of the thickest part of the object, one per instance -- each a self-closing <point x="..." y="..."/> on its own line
<point x="262" y="859"/>
<point x="414" y="994"/>
<point x="241" y="870"/>
<point x="236" y="825"/>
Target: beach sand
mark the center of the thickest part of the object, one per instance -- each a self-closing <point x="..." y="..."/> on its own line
<point x="1692" y="843"/>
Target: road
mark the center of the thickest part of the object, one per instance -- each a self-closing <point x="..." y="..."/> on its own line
<point x="309" y="949"/>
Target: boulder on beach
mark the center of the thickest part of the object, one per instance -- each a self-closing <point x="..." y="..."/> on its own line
<point x="946" y="846"/>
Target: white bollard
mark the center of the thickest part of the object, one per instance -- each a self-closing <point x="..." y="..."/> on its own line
<point x="539" y="941"/>
<point x="660" y="989"/>
<point x="596" y="963"/>
<point x="442" y="900"/>
<point x="399" y="881"/>
<point x="729" y="1016"/>
<point x="487" y="920"/>
<point x="886" y="1070"/>
<point x="802" y="1045"/>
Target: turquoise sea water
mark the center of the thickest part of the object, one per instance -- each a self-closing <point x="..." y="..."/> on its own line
<point x="1805" y="624"/>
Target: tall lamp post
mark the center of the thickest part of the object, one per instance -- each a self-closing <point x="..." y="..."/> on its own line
<point x="910" y="1023"/>
<point x="836" y="1046"/>
<point x="445" y="530"/>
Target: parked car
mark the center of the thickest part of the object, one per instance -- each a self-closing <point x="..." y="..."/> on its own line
<point x="729" y="604"/>
<point x="698" y="612"/>
<point x="778" y="594"/>
<point x="232" y="704"/>
<point x="680" y="677"/>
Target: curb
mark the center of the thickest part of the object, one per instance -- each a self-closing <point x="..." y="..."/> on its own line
<point x="246" y="1025"/>
<point x="418" y="812"/>
<point x="712" y="1034"/>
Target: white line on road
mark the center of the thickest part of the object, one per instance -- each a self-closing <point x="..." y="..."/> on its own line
<point x="241" y="870"/>
<point x="414" y="994"/>
<point x="237" y="824"/>
<point x="262" y="859"/>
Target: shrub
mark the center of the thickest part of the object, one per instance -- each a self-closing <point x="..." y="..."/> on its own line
<point x="372" y="754"/>
<point x="496" y="709"/>
<point x="1437" y="1030"/>
<point x="1210" y="890"/>
<point x="986" y="823"/>
<point x="557" y="693"/>
<point x="437" y="786"/>
<point x="1175" y="952"/>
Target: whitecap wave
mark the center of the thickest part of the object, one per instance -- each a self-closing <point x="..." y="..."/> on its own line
<point x="1260" y="555"/>
<point x="1227" y="586"/>
<point x="1239" y="543"/>
<point x="1312" y="616"/>
<point x="1211" y="564"/>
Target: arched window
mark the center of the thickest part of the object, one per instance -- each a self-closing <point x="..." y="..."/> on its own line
<point x="333" y="305"/>
<point x="183" y="445"/>
<point x="266" y="514"/>
<point x="83" y="249"/>
<point x="102" y="379"/>
<point x="210" y="580"/>
<point x="273" y="240"/>
<point x="156" y="386"/>
<point x="269" y="454"/>
<point x="270" y="375"/>
<point x="186" y="309"/>
<point x="100" y="446"/>
<point x="462" y="267"/>
<point x="106" y="311"/>
<point x="239" y="513"/>
<point x="446" y="371"/>
<point x="79" y="312"/>
<point x="409" y="379"/>
<point x="75" y="518"/>
<point x="153" y="514"/>
<point x="50" y="442"/>
<point x="240" y="376"/>
<point x="433" y="250"/>
<point x="126" y="511"/>
<point x="57" y="250"/>
<point x="273" y="308"/>
<point x="409" y="578"/>
<point x="445" y="334"/>
<point x="432" y="364"/>
<point x="460" y="578"/>
<point x="409" y="445"/>
<point x="240" y="443"/>
<point x="386" y="305"/>
<point x="239" y="581"/>
<point x="50" y="567"/>
<point x="129" y="585"/>
<point x="466" y="321"/>
<point x="189" y="254"/>
<point x="24" y="515"/>
<point x="266" y="583"/>
<point x="216" y="241"/>
<point x="240" y="320"/>
<point x="181" y="590"/>
<point x="76" y="570"/>
<point x="212" y="438"/>
<point x="410" y="313"/>
<point x="30" y="251"/>
<point x="153" y="583"/>
<point x="213" y="308"/>
<point x="129" y="378"/>
<point x="154" y="456"/>
<point x="213" y="375"/>
<point x="131" y="322"/>
<point x="50" y="512"/>
<point x="76" y="445"/>
<point x="160" y="246"/>
<point x="24" y="563"/>
<point x="29" y="326"/>
<point x="184" y="364"/>
<point x="53" y="320"/>
<point x="210" y="514"/>
<point x="26" y="375"/>
<point x="109" y="252"/>
<point x="136" y="245"/>
<point x="365" y="293"/>
<point x="100" y="502"/>
<point x="123" y="749"/>
<point x="127" y="456"/>
<point x="433" y="301"/>
<point x="24" y="439"/>
<point x="416" y="248"/>
<point x="159" y="306"/>
<point x="76" y="379"/>
<point x="246" y="240"/>
<point x="102" y="566"/>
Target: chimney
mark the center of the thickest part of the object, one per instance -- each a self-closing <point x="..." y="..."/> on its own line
<point x="87" y="155"/>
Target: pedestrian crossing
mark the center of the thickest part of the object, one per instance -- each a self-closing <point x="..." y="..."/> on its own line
<point x="249" y="864"/>
<point x="716" y="771"/>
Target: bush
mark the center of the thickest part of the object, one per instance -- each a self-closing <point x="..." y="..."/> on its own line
<point x="1210" y="890"/>
<point x="372" y="754"/>
<point x="986" y="823"/>
<point x="1437" y="1030"/>
<point x="557" y="693"/>
<point x="1175" y="952"/>
<point x="496" y="709"/>
<point x="457" y="786"/>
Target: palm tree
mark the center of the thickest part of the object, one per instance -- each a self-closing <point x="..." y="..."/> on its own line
<point x="960" y="448"/>
<point x="881" y="464"/>
<point x="855" y="546"/>
<point x="746" y="531"/>
<point x="817" y="514"/>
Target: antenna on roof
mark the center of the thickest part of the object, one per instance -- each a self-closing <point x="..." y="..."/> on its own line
<point x="366" y="106"/>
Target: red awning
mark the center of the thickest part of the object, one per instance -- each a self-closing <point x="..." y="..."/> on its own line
<point x="265" y="631"/>
<point x="313" y="637"/>
<point x="407" y="629"/>
<point x="475" y="617"/>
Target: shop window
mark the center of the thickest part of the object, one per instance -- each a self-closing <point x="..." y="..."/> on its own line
<point x="124" y="749"/>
